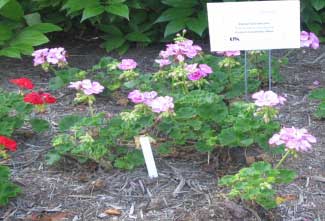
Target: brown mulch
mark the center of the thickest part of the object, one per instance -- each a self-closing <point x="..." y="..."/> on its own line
<point x="186" y="188"/>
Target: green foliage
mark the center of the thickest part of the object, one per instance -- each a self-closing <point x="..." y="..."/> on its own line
<point x="19" y="33"/>
<point x="98" y="139"/>
<point x="243" y="129"/>
<point x="39" y="125"/>
<point x="13" y="113"/>
<point x="7" y="188"/>
<point x="319" y="94"/>
<point x="256" y="182"/>
<point x="313" y="15"/>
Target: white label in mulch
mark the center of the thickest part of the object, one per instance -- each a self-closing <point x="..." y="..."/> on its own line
<point x="148" y="157"/>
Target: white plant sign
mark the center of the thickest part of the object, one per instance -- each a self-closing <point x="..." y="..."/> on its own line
<point x="254" y="25"/>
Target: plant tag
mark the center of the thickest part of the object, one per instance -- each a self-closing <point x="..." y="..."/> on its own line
<point x="254" y="25"/>
<point x="148" y="157"/>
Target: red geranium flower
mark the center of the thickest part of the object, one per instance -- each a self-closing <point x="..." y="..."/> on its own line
<point x="38" y="98"/>
<point x="23" y="83"/>
<point x="8" y="143"/>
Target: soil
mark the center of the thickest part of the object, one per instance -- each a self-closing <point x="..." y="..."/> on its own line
<point x="187" y="187"/>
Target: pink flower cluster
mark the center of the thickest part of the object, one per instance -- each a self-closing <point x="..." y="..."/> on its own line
<point x="127" y="64"/>
<point x="293" y="139"/>
<point x="309" y="40"/>
<point x="178" y="51"/>
<point x="267" y="98"/>
<point x="157" y="104"/>
<point x="229" y="53"/>
<point x="87" y="87"/>
<point x="196" y="72"/>
<point x="56" y="56"/>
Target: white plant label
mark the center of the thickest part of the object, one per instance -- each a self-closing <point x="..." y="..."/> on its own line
<point x="254" y="25"/>
<point x="148" y="157"/>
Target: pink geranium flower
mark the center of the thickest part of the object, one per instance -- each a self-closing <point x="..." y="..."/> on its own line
<point x="163" y="62"/>
<point x="161" y="104"/>
<point x="40" y="56"/>
<point x="180" y="50"/>
<point x="87" y="86"/>
<point x="136" y="97"/>
<point x="293" y="139"/>
<point x="309" y="40"/>
<point x="196" y="72"/>
<point x="127" y="64"/>
<point x="267" y="98"/>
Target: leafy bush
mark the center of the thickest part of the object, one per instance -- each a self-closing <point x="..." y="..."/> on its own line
<point x="255" y="183"/>
<point x="7" y="188"/>
<point x="14" y="111"/>
<point x="20" y="31"/>
<point x="202" y="113"/>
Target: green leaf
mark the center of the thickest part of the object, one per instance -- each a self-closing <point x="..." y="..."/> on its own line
<point x="113" y="43"/>
<point x="3" y="3"/>
<point x="30" y="37"/>
<point x="286" y="176"/>
<point x="118" y="9"/>
<point x="137" y="37"/>
<point x="68" y="121"/>
<point x="318" y="94"/>
<point x="10" y="52"/>
<point x="12" y="10"/>
<point x="33" y="18"/>
<point x="111" y="29"/>
<point x="44" y="27"/>
<point x="174" y="26"/>
<point x="7" y="188"/>
<point x="52" y="157"/>
<point x="318" y="4"/>
<point x="5" y="32"/>
<point x="175" y="14"/>
<point x="181" y="3"/>
<point x="198" y="25"/>
<point x="39" y="125"/>
<point x="320" y="112"/>
<point x="92" y="11"/>
<point x="56" y="83"/>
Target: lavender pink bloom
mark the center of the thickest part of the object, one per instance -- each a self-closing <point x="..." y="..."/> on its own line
<point x="181" y="50"/>
<point x="136" y="97"/>
<point x="229" y="53"/>
<point x="161" y="104"/>
<point x="293" y="139"/>
<point x="309" y="40"/>
<point x="267" y="98"/>
<point x="157" y="104"/>
<point x="196" y="72"/>
<point x="127" y="64"/>
<point x="56" y="56"/>
<point x="163" y="62"/>
<point x="40" y="56"/>
<point x="87" y="87"/>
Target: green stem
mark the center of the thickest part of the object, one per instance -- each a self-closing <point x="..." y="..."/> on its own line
<point x="91" y="110"/>
<point x="282" y="159"/>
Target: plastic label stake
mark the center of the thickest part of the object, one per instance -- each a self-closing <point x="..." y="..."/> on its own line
<point x="148" y="157"/>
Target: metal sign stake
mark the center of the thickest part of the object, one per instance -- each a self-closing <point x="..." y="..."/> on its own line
<point x="270" y="70"/>
<point x="246" y="77"/>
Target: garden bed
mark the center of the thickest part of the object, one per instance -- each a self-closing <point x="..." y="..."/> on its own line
<point x="187" y="187"/>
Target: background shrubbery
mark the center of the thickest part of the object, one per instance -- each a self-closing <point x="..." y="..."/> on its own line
<point x="120" y="23"/>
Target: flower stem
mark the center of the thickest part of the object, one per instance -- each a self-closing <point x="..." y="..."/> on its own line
<point x="91" y="110"/>
<point x="282" y="159"/>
